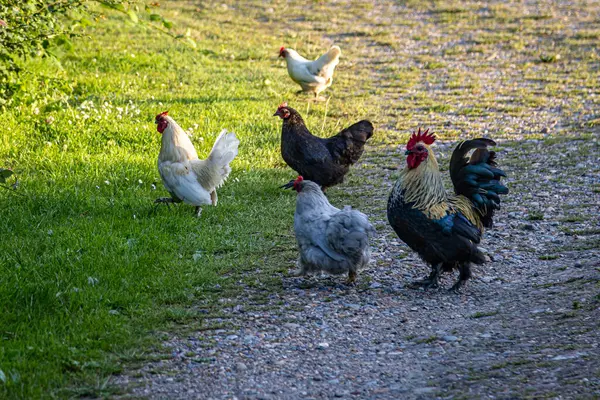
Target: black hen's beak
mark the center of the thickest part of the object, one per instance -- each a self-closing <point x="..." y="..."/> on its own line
<point x="288" y="185"/>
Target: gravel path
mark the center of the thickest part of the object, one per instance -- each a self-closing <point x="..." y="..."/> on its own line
<point x="526" y="325"/>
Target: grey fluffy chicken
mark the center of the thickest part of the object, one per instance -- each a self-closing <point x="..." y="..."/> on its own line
<point x="329" y="239"/>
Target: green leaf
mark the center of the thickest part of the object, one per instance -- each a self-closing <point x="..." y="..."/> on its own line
<point x="133" y="16"/>
<point x="155" y="17"/>
<point x="191" y="41"/>
<point x="167" y="24"/>
<point x="113" y="6"/>
<point x="4" y="175"/>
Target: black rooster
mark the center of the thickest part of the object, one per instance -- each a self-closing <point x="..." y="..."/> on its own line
<point x="445" y="228"/>
<point x="324" y="161"/>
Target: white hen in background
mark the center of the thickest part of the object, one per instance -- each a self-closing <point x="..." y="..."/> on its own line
<point x="186" y="177"/>
<point x="329" y="239"/>
<point x="313" y="76"/>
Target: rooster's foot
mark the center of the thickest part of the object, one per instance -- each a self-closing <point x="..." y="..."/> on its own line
<point x="351" y="278"/>
<point x="457" y="286"/>
<point x="426" y="283"/>
<point x="198" y="212"/>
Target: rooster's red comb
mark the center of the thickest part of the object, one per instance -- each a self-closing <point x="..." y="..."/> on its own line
<point x="162" y="114"/>
<point x="299" y="179"/>
<point x="283" y="105"/>
<point x="416" y="137"/>
<point x="281" y="49"/>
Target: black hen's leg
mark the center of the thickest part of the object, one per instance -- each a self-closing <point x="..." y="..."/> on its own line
<point x="465" y="274"/>
<point x="432" y="281"/>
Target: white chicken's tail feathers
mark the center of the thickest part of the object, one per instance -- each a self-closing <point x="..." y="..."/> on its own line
<point x="327" y="58"/>
<point x="224" y="150"/>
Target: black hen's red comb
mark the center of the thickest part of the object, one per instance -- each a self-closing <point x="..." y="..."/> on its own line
<point x="416" y="137"/>
<point x="282" y="105"/>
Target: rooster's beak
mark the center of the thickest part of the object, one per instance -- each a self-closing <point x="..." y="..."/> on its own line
<point x="288" y="185"/>
<point x="407" y="152"/>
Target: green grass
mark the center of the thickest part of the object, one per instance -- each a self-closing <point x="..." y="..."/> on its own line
<point x="88" y="265"/>
<point x="91" y="271"/>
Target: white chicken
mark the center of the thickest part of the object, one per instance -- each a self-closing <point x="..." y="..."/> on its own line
<point x="313" y="76"/>
<point x="187" y="178"/>
<point x="329" y="239"/>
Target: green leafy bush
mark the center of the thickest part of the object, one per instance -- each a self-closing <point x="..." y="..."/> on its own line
<point x="37" y="28"/>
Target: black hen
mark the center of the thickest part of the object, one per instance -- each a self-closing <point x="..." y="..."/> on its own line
<point x="324" y="161"/>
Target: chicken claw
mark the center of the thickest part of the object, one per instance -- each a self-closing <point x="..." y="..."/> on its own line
<point x="426" y="283"/>
<point x="198" y="211"/>
<point x="351" y="278"/>
<point x="165" y="200"/>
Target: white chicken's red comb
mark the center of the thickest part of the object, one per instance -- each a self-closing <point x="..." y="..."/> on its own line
<point x="163" y="114"/>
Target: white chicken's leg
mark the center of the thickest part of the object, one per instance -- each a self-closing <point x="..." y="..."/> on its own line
<point x="166" y="200"/>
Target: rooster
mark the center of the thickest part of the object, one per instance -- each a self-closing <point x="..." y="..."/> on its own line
<point x="444" y="228"/>
<point x="187" y="178"/>
<point x="313" y="76"/>
<point x="329" y="239"/>
<point x="324" y="161"/>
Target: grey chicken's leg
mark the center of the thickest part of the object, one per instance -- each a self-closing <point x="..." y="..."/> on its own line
<point x="351" y="278"/>
<point x="432" y="281"/>
<point x="198" y="211"/>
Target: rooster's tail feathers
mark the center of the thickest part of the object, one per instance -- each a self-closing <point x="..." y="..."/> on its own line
<point x="477" y="177"/>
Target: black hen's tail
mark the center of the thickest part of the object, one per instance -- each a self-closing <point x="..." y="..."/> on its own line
<point x="347" y="146"/>
<point x="477" y="177"/>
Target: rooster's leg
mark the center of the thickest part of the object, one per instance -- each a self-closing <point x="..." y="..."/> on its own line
<point x="432" y="281"/>
<point x="198" y="211"/>
<point x="351" y="277"/>
<point x="465" y="274"/>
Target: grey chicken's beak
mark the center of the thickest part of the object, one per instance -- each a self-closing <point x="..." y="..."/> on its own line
<point x="288" y="185"/>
